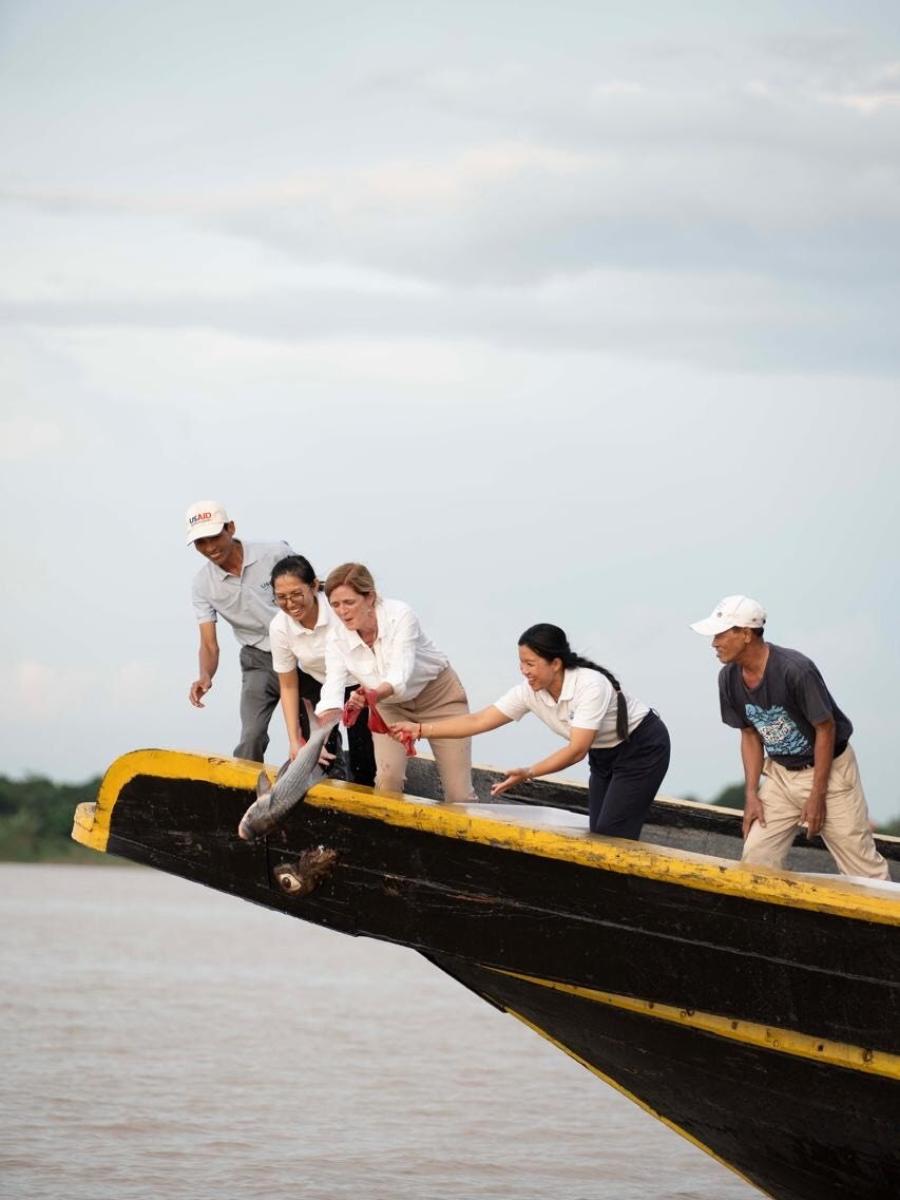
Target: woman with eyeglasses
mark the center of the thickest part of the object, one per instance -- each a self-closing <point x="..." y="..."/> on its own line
<point x="298" y="633"/>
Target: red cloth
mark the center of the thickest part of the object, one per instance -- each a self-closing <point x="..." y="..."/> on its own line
<point x="350" y="716"/>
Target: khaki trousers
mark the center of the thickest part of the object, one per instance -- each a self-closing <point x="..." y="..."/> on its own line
<point x="442" y="697"/>
<point x="846" y="830"/>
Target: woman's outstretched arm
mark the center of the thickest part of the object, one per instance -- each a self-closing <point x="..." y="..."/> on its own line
<point x="454" y="727"/>
<point x="579" y="744"/>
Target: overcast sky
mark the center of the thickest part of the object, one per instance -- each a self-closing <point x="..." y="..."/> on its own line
<point x="583" y="313"/>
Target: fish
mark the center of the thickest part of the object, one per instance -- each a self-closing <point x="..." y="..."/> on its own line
<point x="274" y="801"/>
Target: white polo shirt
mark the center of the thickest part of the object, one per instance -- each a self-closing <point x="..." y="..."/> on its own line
<point x="245" y="600"/>
<point x="294" y="645"/>
<point x="587" y="701"/>
<point x="401" y="655"/>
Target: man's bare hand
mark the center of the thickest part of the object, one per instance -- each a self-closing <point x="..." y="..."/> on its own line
<point x="813" y="815"/>
<point x="199" y="688"/>
<point x="753" y="811"/>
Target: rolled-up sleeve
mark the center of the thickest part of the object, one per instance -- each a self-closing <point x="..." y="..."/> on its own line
<point x="337" y="677"/>
<point x="399" y="649"/>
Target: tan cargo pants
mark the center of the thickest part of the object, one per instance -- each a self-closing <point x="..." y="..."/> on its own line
<point x="846" y="831"/>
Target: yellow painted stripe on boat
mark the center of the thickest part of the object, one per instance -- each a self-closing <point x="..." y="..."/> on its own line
<point x="613" y="1083"/>
<point x="782" y="1041"/>
<point x="665" y="864"/>
<point x="91" y="827"/>
<point x="682" y="868"/>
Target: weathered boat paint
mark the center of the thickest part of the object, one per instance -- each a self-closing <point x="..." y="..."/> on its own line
<point x="755" y="1011"/>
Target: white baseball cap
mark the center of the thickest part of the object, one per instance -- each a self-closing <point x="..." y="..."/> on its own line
<point x="206" y="518"/>
<point x="739" y="611"/>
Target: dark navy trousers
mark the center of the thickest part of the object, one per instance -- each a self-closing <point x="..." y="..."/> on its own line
<point x="625" y="779"/>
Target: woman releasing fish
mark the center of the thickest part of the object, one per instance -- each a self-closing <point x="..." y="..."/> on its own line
<point x="298" y="635"/>
<point x="380" y="645"/>
<point x="625" y="742"/>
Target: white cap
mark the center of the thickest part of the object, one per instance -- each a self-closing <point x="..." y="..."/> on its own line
<point x="733" y="611"/>
<point x="206" y="518"/>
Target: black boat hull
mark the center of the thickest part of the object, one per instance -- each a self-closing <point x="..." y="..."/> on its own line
<point x="755" y="1011"/>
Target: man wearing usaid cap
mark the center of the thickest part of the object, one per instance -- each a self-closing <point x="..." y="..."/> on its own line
<point x="235" y="583"/>
<point x="799" y="768"/>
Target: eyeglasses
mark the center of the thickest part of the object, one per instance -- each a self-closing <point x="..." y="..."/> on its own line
<point x="291" y="597"/>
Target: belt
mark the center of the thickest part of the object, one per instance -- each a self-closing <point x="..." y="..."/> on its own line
<point x="839" y="749"/>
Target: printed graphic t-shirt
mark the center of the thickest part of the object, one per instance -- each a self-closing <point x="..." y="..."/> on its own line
<point x="784" y="709"/>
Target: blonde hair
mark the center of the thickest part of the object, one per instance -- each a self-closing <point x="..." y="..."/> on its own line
<point x="353" y="575"/>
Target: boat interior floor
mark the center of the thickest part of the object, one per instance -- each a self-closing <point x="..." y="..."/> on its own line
<point x="680" y="824"/>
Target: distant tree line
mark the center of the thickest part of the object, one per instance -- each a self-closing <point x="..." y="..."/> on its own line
<point x="36" y="817"/>
<point x="36" y="820"/>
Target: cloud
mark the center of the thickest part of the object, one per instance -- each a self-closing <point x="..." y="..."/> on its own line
<point x="865" y="103"/>
<point x="135" y="684"/>
<point x="41" y="691"/>
<point x="728" y="203"/>
<point x="706" y="318"/>
<point x="727" y="191"/>
<point x="35" y="691"/>
<point x="25" y="438"/>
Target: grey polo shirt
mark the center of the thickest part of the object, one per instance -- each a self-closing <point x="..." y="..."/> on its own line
<point x="245" y="601"/>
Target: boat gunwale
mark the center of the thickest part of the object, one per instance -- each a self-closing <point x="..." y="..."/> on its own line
<point x="665" y="864"/>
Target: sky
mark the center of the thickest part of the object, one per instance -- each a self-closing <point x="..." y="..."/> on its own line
<point x="584" y="313"/>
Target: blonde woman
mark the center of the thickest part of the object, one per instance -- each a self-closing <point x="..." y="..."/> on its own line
<point x="379" y="644"/>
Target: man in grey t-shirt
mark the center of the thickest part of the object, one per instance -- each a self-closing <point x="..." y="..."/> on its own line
<point x="235" y="584"/>
<point x="799" y="766"/>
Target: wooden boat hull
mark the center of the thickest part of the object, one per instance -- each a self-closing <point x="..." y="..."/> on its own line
<point x="755" y="1011"/>
<point x="793" y="1126"/>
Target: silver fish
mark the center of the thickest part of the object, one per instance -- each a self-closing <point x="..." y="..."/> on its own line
<point x="274" y="801"/>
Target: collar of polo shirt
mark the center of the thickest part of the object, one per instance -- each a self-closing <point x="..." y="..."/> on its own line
<point x="566" y="692"/>
<point x="321" y="619"/>
<point x="324" y="609"/>
<point x="248" y="558"/>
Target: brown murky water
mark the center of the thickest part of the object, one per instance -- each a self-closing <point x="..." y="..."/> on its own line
<point x="162" y="1040"/>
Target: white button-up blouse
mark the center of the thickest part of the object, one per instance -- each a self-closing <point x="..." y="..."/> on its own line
<point x="401" y="655"/>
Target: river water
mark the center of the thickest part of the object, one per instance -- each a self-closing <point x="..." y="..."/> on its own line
<point x="165" y="1041"/>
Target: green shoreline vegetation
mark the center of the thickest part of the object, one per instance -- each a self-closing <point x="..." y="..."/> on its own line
<point x="36" y="818"/>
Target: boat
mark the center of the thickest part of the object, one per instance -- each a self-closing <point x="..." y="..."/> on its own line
<point x="754" y="1011"/>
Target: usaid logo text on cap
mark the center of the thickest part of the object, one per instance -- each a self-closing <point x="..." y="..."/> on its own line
<point x="205" y="518"/>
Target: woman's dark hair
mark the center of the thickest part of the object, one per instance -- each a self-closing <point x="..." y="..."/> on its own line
<point x="549" y="642"/>
<point x="296" y="564"/>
